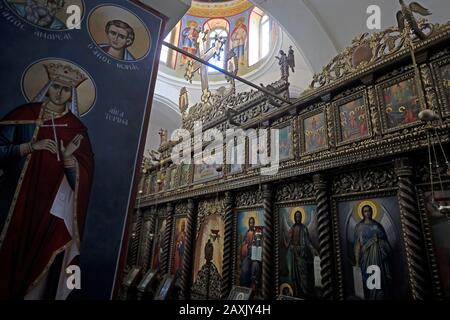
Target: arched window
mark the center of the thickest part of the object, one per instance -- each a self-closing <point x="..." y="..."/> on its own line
<point x="217" y="61"/>
<point x="165" y="50"/>
<point x="168" y="56"/>
<point x="259" y="36"/>
<point x="265" y="36"/>
<point x="217" y="27"/>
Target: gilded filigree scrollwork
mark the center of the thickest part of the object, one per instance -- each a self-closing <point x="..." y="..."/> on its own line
<point x="374" y="114"/>
<point x="428" y="86"/>
<point x="294" y="191"/>
<point x="209" y="207"/>
<point x="330" y="125"/>
<point x="281" y="120"/>
<point x="364" y="180"/>
<point x="441" y="61"/>
<point x="365" y="50"/>
<point x="214" y="110"/>
<point x="295" y="136"/>
<point x="248" y="198"/>
<point x="368" y="49"/>
<point x="181" y="209"/>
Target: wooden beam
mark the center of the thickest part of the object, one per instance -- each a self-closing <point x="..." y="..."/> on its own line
<point x="190" y="55"/>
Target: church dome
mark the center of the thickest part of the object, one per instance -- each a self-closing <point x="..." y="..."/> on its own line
<point x="245" y="29"/>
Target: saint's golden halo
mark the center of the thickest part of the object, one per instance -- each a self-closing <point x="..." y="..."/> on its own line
<point x="372" y="203"/>
<point x="36" y="77"/>
<point x="294" y="210"/>
<point x="251" y="214"/>
<point x="288" y="286"/>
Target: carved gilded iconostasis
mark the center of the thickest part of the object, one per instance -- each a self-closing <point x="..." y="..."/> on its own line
<point x="354" y="189"/>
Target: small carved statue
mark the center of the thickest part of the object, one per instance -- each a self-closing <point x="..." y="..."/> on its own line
<point x="284" y="65"/>
<point x="209" y="251"/>
<point x="190" y="71"/>
<point x="146" y="164"/>
<point x="183" y="102"/>
<point x="163" y="136"/>
<point x="406" y="16"/>
<point x="291" y="59"/>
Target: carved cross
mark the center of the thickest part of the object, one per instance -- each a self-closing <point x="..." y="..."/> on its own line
<point x="162" y="136"/>
<point x="205" y="54"/>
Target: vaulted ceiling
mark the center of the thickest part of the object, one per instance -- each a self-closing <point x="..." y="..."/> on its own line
<point x="172" y="9"/>
<point x="322" y="28"/>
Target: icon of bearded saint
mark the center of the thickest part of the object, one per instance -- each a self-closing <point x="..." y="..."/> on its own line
<point x="47" y="165"/>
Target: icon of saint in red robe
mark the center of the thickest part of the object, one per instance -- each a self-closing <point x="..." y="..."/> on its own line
<point x="46" y="171"/>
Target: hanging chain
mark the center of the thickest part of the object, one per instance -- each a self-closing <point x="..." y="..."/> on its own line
<point x="442" y="150"/>
<point x="446" y="213"/>
<point x="430" y="163"/>
<point x="417" y="78"/>
<point x="437" y="164"/>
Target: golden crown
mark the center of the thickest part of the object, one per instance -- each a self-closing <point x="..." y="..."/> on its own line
<point x="64" y="74"/>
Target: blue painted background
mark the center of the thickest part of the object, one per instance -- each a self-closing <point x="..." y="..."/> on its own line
<point x="115" y="146"/>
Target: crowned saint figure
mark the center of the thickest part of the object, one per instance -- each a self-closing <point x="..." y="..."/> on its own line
<point x="47" y="168"/>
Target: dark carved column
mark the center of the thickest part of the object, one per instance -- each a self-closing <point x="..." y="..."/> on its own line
<point x="147" y="238"/>
<point x="134" y="238"/>
<point x="267" y="274"/>
<point x="188" y="250"/>
<point x="227" y="269"/>
<point x="412" y="231"/>
<point x="324" y="232"/>
<point x="166" y="250"/>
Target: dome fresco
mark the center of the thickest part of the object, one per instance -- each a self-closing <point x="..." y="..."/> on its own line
<point x="242" y="33"/>
<point x="212" y="1"/>
<point x="218" y="8"/>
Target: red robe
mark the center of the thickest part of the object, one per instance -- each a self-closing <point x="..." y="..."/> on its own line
<point x="247" y="243"/>
<point x="33" y="237"/>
